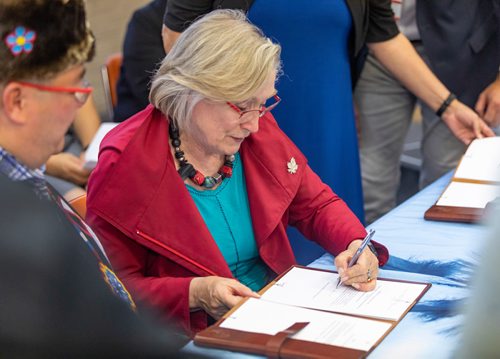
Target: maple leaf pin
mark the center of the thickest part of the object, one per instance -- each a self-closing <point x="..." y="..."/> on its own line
<point x="292" y="166"/>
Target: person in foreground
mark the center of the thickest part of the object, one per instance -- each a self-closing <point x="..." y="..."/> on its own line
<point x="55" y="303"/>
<point x="192" y="196"/>
<point x="480" y="329"/>
<point x="60" y="297"/>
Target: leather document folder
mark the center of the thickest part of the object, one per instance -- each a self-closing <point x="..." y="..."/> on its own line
<point x="474" y="185"/>
<point x="302" y="314"/>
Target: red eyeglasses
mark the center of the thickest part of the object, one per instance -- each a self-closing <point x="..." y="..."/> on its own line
<point x="81" y="94"/>
<point x="262" y="110"/>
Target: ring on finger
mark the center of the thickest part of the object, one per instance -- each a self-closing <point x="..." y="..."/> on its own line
<point x="369" y="275"/>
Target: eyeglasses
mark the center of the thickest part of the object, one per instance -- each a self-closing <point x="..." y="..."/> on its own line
<point x="81" y="94"/>
<point x="262" y="110"/>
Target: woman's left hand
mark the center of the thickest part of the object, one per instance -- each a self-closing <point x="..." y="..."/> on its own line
<point x="363" y="274"/>
<point x="216" y="295"/>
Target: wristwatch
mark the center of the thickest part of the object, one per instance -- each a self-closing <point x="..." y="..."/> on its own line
<point x="373" y="249"/>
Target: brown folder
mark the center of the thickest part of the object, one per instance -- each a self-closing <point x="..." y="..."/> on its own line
<point x="281" y="345"/>
<point x="454" y="214"/>
<point x="476" y="169"/>
<point x="458" y="214"/>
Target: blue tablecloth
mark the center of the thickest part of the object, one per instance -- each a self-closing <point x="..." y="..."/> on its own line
<point x="441" y="253"/>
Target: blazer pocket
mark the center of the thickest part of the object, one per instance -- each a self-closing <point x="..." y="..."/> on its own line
<point x="483" y="34"/>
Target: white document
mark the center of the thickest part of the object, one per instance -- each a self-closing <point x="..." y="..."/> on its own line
<point x="317" y="290"/>
<point x="341" y="317"/>
<point x="481" y="161"/>
<point x="470" y="195"/>
<point x="261" y="316"/>
<point x="93" y="150"/>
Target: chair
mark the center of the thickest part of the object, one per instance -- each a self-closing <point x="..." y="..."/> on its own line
<point x="110" y="73"/>
<point x="79" y="204"/>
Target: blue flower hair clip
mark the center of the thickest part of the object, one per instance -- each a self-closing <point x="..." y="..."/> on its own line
<point x="20" y="40"/>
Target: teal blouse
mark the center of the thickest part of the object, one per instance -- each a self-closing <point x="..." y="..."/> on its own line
<point x="226" y="213"/>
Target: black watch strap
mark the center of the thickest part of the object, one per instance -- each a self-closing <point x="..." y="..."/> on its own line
<point x="446" y="103"/>
<point x="373" y="249"/>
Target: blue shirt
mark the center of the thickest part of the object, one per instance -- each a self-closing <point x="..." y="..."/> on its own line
<point x="226" y="213"/>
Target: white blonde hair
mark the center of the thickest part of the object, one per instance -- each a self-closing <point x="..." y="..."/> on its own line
<point x="220" y="57"/>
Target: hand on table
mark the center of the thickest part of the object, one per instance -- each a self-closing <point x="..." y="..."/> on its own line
<point x="216" y="295"/>
<point x="362" y="275"/>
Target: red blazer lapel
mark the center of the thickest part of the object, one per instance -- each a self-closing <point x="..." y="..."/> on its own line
<point x="264" y="152"/>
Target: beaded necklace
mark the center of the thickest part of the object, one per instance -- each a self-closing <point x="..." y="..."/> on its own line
<point x="187" y="170"/>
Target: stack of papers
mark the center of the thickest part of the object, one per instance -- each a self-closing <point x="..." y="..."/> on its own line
<point x="92" y="152"/>
<point x="476" y="183"/>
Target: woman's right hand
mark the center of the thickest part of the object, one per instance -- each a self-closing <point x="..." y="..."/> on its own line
<point x="216" y="295"/>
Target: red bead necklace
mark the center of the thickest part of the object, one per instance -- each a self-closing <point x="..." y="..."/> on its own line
<point x="187" y="170"/>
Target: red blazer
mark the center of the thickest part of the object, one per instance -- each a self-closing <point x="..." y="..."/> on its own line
<point x="154" y="235"/>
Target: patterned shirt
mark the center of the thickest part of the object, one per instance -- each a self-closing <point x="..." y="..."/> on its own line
<point x="15" y="170"/>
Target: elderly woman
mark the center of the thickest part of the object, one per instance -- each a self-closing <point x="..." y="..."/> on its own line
<point x="192" y="196"/>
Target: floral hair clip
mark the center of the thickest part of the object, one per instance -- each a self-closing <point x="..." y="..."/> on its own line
<point x="20" y="40"/>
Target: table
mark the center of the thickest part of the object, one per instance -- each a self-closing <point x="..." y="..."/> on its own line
<point x="442" y="253"/>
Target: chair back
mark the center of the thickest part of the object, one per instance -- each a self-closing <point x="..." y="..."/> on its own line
<point x="79" y="204"/>
<point x="110" y="73"/>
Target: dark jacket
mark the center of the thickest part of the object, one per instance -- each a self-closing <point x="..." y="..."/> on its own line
<point x="462" y="42"/>
<point x="142" y="52"/>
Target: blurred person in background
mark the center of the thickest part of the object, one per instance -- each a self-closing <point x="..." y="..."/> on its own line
<point x="142" y="54"/>
<point x="460" y="42"/>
